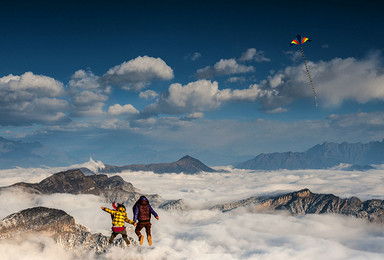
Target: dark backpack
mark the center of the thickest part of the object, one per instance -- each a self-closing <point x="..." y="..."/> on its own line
<point x="144" y="212"/>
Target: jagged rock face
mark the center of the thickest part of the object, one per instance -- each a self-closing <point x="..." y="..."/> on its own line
<point x="305" y="202"/>
<point x="187" y="165"/>
<point x="36" y="219"/>
<point x="58" y="225"/>
<point x="173" y="205"/>
<point x="75" y="182"/>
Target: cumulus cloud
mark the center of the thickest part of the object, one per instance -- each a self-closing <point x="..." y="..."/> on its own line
<point x="135" y="74"/>
<point x="192" y="116"/>
<point x="84" y="80"/>
<point x="148" y="94"/>
<point x="253" y="55"/>
<point x="202" y="95"/>
<point x="87" y="95"/>
<point x="31" y="98"/>
<point x="117" y="109"/>
<point x="88" y="103"/>
<point x="335" y="81"/>
<point x="224" y="67"/>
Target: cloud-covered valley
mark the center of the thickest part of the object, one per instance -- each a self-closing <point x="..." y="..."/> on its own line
<point x="199" y="233"/>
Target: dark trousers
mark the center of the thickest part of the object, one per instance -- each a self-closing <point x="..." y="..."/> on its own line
<point x="123" y="233"/>
<point x="147" y="225"/>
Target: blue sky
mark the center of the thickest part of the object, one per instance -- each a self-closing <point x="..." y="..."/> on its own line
<point x="143" y="81"/>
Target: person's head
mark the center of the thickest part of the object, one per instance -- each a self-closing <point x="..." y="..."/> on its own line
<point x="121" y="207"/>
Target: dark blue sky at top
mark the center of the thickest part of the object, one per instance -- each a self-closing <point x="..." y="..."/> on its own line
<point x="57" y="38"/>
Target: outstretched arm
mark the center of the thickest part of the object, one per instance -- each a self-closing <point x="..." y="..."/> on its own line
<point x="153" y="212"/>
<point x="107" y="210"/>
<point x="129" y="221"/>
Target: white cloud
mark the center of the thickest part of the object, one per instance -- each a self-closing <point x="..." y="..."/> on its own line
<point x="88" y="96"/>
<point x="88" y="103"/>
<point x="335" y="81"/>
<point x="31" y="98"/>
<point x="135" y="74"/>
<point x="253" y="55"/>
<point x="224" y="67"/>
<point x="117" y="109"/>
<point x="84" y="80"/>
<point x="202" y="95"/>
<point x="192" y="116"/>
<point x="236" y="79"/>
<point x="252" y="93"/>
<point x="148" y="94"/>
<point x="277" y="110"/>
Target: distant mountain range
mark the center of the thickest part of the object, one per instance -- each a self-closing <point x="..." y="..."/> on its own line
<point x="29" y="154"/>
<point x="323" y="156"/>
<point x="354" y="156"/>
<point x="187" y="165"/>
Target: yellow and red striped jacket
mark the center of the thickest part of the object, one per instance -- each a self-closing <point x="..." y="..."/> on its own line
<point x="119" y="217"/>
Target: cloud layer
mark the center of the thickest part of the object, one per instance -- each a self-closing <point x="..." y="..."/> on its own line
<point x="204" y="234"/>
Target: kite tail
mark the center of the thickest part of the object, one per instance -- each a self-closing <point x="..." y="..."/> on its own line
<point x="309" y="76"/>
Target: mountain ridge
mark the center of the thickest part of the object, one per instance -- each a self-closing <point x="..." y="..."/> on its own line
<point x="305" y="202"/>
<point x="186" y="165"/>
<point x="74" y="181"/>
<point x="320" y="156"/>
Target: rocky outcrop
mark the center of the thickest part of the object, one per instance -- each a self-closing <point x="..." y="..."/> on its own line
<point x="305" y="202"/>
<point x="58" y="225"/>
<point x="75" y="182"/>
<point x="173" y="205"/>
<point x="187" y="165"/>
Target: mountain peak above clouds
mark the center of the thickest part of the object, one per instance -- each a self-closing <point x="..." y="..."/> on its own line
<point x="74" y="181"/>
<point x="186" y="164"/>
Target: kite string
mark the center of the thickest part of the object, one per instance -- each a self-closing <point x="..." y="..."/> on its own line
<point x="309" y="76"/>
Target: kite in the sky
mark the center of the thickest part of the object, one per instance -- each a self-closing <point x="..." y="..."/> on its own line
<point x="300" y="41"/>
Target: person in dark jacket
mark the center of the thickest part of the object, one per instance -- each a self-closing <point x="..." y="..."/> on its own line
<point x="142" y="211"/>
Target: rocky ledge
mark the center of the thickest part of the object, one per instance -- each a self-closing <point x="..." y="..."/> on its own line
<point x="305" y="202"/>
<point x="58" y="225"/>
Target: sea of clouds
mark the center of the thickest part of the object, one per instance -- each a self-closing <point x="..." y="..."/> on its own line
<point x="199" y="233"/>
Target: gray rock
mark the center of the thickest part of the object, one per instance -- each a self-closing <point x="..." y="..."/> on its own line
<point x="58" y="225"/>
<point x="305" y="202"/>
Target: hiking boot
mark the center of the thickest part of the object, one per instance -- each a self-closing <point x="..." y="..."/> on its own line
<point x="149" y="240"/>
<point x="141" y="239"/>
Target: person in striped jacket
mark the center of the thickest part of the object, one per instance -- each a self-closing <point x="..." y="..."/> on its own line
<point x="119" y="217"/>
